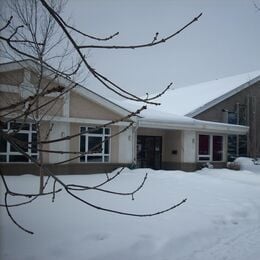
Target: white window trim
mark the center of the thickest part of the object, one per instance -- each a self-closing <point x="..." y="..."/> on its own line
<point x="103" y="136"/>
<point x="9" y="153"/>
<point x="210" y="155"/>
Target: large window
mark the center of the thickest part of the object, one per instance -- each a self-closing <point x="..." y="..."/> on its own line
<point x="25" y="137"/>
<point x="95" y="143"/>
<point x="210" y="148"/>
<point x="237" y="146"/>
<point x="204" y="148"/>
<point x="238" y="116"/>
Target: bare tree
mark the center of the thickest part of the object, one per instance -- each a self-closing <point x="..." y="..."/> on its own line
<point x="31" y="33"/>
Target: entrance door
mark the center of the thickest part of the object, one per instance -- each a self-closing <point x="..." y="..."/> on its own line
<point x="149" y="151"/>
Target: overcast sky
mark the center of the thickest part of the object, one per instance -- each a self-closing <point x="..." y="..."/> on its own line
<point x="224" y="42"/>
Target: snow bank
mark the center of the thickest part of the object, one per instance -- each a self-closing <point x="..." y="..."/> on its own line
<point x="220" y="219"/>
<point x="248" y="164"/>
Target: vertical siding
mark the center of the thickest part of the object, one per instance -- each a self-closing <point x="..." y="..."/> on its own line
<point x="250" y="97"/>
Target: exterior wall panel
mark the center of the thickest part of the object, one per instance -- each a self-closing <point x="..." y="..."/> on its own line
<point x="81" y="107"/>
<point x="14" y="78"/>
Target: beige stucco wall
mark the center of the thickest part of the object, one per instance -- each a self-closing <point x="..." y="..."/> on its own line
<point x="7" y="99"/>
<point x="172" y="146"/>
<point x="46" y="83"/>
<point x="12" y="78"/>
<point x="54" y="108"/>
<point x="82" y="107"/>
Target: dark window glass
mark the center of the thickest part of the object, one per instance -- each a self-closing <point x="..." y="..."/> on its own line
<point x="83" y="143"/>
<point x="2" y="158"/>
<point x="82" y="158"/>
<point x="107" y="131"/>
<point x="35" y="157"/>
<point x="21" y="141"/>
<point x="106" y="146"/>
<point x="94" y="158"/>
<point x="232" y="147"/>
<point x="17" y="158"/>
<point x="93" y="130"/>
<point x="94" y="144"/>
<point x="34" y="143"/>
<point x="232" y="118"/>
<point x="242" y="145"/>
<point x="3" y="125"/>
<point x="3" y="145"/>
<point x="204" y="158"/>
<point x="217" y="148"/>
<point x="34" y="127"/>
<point x="106" y="158"/>
<point x="82" y="129"/>
<point x="242" y="114"/>
<point x="204" y="144"/>
<point x="19" y="126"/>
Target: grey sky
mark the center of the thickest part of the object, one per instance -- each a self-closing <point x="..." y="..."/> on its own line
<point x="225" y="41"/>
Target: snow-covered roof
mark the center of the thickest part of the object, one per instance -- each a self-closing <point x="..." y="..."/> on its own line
<point x="153" y="118"/>
<point x="178" y="106"/>
<point x="194" y="99"/>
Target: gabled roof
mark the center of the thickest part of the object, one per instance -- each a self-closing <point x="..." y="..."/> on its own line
<point x="194" y="99"/>
<point x="85" y="92"/>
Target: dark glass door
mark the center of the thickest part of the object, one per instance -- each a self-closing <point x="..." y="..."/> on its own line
<point x="149" y="152"/>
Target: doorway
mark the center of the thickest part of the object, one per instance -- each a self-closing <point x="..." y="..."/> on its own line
<point x="149" y="152"/>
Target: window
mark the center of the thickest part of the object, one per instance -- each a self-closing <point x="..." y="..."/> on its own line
<point x="232" y="118"/>
<point x="237" y="146"/>
<point x="238" y="116"/>
<point x="217" y="142"/>
<point x="210" y="148"/>
<point x="204" y="147"/>
<point x="95" y="142"/>
<point x="25" y="135"/>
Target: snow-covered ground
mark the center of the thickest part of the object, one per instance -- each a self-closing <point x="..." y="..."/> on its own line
<point x="220" y="220"/>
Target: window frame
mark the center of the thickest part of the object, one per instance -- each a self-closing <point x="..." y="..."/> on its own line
<point x="9" y="153"/>
<point x="105" y="137"/>
<point x="209" y="157"/>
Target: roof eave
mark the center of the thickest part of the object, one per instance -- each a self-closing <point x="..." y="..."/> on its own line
<point x="197" y="125"/>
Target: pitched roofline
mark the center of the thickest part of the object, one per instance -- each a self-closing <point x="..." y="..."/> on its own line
<point x="32" y="65"/>
<point x="214" y="102"/>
